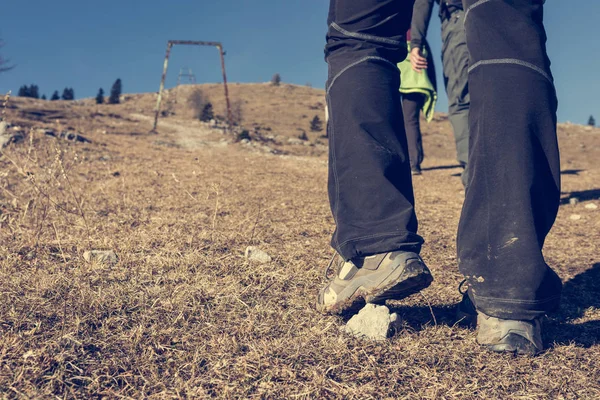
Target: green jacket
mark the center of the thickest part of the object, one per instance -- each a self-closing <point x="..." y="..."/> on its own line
<point x="419" y="82"/>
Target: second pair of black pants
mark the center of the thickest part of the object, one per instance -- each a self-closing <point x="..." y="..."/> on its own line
<point x="411" y="109"/>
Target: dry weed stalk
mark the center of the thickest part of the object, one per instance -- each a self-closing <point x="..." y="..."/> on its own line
<point x="5" y="105"/>
<point x="45" y="175"/>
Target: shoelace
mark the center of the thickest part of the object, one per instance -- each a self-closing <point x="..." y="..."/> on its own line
<point x="464" y="281"/>
<point x="335" y="254"/>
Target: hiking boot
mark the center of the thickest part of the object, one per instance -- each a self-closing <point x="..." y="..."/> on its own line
<point x="374" y="279"/>
<point x="509" y="336"/>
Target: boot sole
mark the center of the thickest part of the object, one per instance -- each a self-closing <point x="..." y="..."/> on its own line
<point x="515" y="344"/>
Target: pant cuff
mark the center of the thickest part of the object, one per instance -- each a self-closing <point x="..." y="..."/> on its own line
<point x="514" y="308"/>
<point x="377" y="244"/>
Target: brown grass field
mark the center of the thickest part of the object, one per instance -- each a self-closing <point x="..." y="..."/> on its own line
<point x="184" y="315"/>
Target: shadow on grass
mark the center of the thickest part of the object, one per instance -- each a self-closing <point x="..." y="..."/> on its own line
<point x="579" y="294"/>
<point x="441" y="167"/>
<point x="584" y="195"/>
<point x="416" y="317"/>
<point x="563" y="328"/>
<point x="571" y="171"/>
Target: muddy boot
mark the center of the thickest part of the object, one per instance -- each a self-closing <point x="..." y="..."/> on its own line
<point x="374" y="279"/>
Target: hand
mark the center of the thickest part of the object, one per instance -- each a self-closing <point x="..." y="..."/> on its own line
<point x="417" y="61"/>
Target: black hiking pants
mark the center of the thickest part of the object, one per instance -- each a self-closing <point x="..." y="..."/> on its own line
<point x="514" y="179"/>
<point x="411" y="110"/>
<point x="455" y="60"/>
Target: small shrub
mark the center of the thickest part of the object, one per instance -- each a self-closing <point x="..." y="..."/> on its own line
<point x="276" y="80"/>
<point x="196" y="101"/>
<point x="237" y="113"/>
<point x="303" y="135"/>
<point x="207" y="113"/>
<point x="316" y="125"/>
<point x="243" y="135"/>
<point x="591" y="121"/>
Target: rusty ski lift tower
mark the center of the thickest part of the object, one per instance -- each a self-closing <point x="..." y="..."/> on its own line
<point x="170" y="45"/>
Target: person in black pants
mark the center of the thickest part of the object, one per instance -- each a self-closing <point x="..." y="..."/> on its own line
<point x="513" y="187"/>
<point x="418" y="92"/>
<point x="455" y="62"/>
<point x="411" y="109"/>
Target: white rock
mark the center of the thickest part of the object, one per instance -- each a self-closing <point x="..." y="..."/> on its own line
<point x="575" y="217"/>
<point x="373" y="322"/>
<point x="573" y="200"/>
<point x="107" y="257"/>
<point x="254" y="254"/>
<point x="12" y="135"/>
<point x="591" y="206"/>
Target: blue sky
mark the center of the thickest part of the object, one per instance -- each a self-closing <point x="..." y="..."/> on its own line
<point x="87" y="45"/>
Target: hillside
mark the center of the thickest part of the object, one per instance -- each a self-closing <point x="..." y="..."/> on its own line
<point x="184" y="314"/>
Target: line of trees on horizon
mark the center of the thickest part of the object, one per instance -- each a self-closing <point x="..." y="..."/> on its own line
<point x="33" y="91"/>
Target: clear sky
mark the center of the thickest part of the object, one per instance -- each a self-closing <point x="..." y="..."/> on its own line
<point x="87" y="45"/>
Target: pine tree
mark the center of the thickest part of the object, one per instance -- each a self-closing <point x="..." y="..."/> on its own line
<point x="316" y="125"/>
<point x="29" y="91"/>
<point x="68" y="94"/>
<point x="115" y="92"/>
<point x="23" y="91"/>
<point x="55" y="96"/>
<point x="34" y="92"/>
<point x="44" y="97"/>
<point x="591" y="121"/>
<point x="100" y="96"/>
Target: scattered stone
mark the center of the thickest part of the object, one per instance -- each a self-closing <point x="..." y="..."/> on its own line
<point x="575" y="217"/>
<point x="255" y="254"/>
<point x="573" y="200"/>
<point x="106" y="257"/>
<point x="67" y="135"/>
<point x="295" y="141"/>
<point x="373" y="322"/>
<point x="74" y="136"/>
<point x="12" y="135"/>
<point x="591" y="206"/>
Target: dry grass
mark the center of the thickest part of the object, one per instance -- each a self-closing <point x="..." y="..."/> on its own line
<point x="184" y="315"/>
